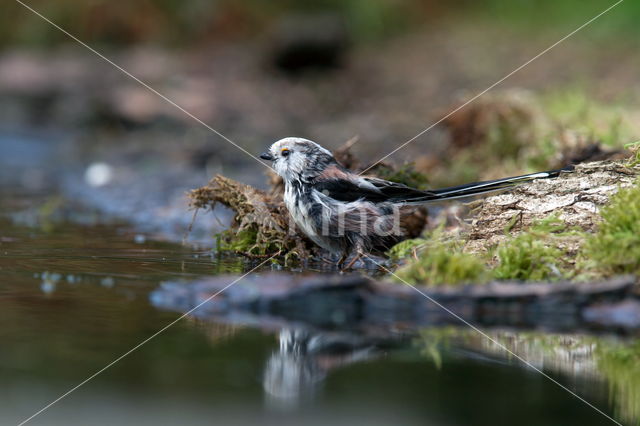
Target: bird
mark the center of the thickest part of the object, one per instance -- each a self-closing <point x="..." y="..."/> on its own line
<point x="342" y="211"/>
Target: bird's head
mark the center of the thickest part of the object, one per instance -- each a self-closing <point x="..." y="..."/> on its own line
<point x="298" y="159"/>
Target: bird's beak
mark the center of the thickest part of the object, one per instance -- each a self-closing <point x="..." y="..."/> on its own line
<point x="267" y="156"/>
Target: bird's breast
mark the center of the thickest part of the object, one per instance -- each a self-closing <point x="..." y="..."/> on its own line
<point x="301" y="205"/>
<point x="299" y="210"/>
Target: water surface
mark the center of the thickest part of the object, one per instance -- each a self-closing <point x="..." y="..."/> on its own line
<point x="75" y="297"/>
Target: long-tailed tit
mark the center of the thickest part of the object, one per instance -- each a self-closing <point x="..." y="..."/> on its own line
<point x="342" y="211"/>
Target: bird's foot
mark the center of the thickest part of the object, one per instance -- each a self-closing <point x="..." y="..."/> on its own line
<point x="352" y="262"/>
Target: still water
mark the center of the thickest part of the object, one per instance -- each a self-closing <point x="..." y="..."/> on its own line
<point x="73" y="298"/>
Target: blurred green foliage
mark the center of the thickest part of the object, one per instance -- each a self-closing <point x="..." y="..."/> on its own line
<point x="176" y="22"/>
<point x="530" y="132"/>
<point x="405" y="174"/>
<point x="532" y="15"/>
<point x="573" y="108"/>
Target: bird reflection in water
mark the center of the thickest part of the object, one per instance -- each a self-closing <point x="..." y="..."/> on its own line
<point x="295" y="372"/>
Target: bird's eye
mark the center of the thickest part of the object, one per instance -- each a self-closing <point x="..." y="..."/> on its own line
<point x="284" y="152"/>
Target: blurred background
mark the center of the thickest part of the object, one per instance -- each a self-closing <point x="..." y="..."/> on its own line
<point x="257" y="71"/>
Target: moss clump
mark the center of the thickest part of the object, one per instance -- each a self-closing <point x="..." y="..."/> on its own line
<point x="634" y="147"/>
<point x="243" y="241"/>
<point x="260" y="226"/>
<point x="527" y="258"/>
<point x="546" y="251"/>
<point x="443" y="262"/>
<point x="406" y="248"/>
<point x="615" y="247"/>
<point x="534" y="254"/>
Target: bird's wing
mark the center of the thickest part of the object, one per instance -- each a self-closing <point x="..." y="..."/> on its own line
<point x="370" y="189"/>
<point x="347" y="190"/>
<point x="398" y="192"/>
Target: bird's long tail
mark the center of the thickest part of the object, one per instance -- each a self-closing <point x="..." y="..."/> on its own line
<point x="477" y="188"/>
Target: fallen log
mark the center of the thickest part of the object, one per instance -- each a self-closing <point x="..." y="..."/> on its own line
<point x="575" y="198"/>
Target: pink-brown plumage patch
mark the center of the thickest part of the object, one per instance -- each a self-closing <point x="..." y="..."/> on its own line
<point x="334" y="172"/>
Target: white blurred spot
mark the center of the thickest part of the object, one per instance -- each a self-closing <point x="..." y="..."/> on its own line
<point x="48" y="287"/>
<point x="107" y="282"/>
<point x="98" y="174"/>
<point x="49" y="281"/>
<point x="139" y="239"/>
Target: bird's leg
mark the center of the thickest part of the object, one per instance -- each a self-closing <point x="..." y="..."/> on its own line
<point x="342" y="259"/>
<point x="328" y="261"/>
<point x="354" y="260"/>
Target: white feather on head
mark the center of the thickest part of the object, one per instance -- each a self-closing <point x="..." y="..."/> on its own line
<point x="294" y="156"/>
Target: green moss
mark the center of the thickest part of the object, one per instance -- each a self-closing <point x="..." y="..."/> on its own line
<point x="615" y="247"/>
<point x="547" y="251"/>
<point x="534" y="255"/>
<point x="526" y="258"/>
<point x="245" y="241"/>
<point x="260" y="225"/>
<point x="406" y="248"/>
<point x="443" y="262"/>
<point x="634" y="147"/>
